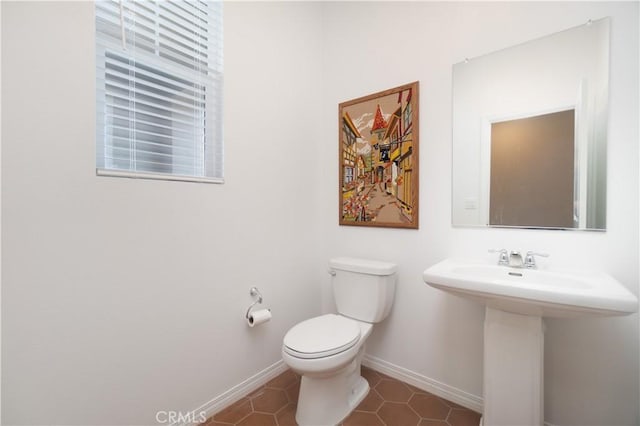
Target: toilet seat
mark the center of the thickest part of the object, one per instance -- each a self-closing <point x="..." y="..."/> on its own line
<point x="321" y="337"/>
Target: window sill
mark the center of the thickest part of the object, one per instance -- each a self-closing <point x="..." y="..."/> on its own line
<point x="156" y="176"/>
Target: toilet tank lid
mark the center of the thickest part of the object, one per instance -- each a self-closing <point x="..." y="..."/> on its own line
<point x="363" y="266"/>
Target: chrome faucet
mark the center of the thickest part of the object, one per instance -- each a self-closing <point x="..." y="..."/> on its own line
<point x="503" y="256"/>
<point x="530" y="259"/>
<point x="514" y="258"/>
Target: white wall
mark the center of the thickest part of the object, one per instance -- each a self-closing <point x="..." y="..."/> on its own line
<point x="164" y="328"/>
<point x="125" y="297"/>
<point x="591" y="373"/>
<point x="0" y="216"/>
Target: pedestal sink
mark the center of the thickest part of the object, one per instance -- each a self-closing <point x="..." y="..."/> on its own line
<point x="537" y="292"/>
<point x="516" y="301"/>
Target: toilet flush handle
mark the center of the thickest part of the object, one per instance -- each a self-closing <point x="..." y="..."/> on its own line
<point x="331" y="272"/>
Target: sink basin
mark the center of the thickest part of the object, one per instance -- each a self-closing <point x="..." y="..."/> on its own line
<point x="544" y="293"/>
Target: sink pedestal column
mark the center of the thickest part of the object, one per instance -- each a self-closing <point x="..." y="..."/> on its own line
<point x="513" y="369"/>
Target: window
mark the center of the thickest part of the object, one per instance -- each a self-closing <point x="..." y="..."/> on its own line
<point x="159" y="89"/>
<point x="407" y="115"/>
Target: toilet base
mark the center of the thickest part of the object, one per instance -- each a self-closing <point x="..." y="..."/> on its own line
<point x="329" y="400"/>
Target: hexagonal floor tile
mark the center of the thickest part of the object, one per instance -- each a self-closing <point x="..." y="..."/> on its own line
<point x="393" y="390"/>
<point x="390" y="402"/>
<point x="427" y="422"/>
<point x="397" y="414"/>
<point x="212" y="422"/>
<point x="235" y="412"/>
<point x="429" y="406"/>
<point x="372" y="376"/>
<point x="371" y="402"/>
<point x="463" y="417"/>
<point x="258" y="419"/>
<point x="360" y="418"/>
<point x="269" y="400"/>
<point x="287" y="416"/>
<point x="293" y="391"/>
<point x="283" y="381"/>
<point x="452" y="404"/>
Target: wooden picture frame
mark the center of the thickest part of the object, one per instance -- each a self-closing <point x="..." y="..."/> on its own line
<point x="378" y="145"/>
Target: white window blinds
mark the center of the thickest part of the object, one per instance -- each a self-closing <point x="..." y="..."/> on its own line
<point x="159" y="89"/>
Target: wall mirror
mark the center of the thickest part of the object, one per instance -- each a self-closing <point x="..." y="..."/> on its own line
<point x="530" y="133"/>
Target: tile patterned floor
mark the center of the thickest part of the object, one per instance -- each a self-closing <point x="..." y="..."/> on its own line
<point x="390" y="402"/>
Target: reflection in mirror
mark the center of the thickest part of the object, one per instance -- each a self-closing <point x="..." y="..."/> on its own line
<point x="531" y="176"/>
<point x="529" y="133"/>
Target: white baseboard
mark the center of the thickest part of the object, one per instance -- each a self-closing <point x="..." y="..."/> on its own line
<point x="460" y="397"/>
<point x="237" y="392"/>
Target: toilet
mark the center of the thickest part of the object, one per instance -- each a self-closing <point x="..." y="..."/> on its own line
<point x="327" y="350"/>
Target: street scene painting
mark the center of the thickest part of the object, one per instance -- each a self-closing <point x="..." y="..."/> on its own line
<point x="379" y="159"/>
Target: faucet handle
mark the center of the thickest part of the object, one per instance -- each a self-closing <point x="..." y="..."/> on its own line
<point x="530" y="258"/>
<point x="533" y="253"/>
<point x="503" y="257"/>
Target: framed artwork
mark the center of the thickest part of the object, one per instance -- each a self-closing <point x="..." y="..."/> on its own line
<point x="378" y="139"/>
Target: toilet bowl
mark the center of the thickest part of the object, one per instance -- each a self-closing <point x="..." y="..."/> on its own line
<point x="329" y="366"/>
<point x="327" y="350"/>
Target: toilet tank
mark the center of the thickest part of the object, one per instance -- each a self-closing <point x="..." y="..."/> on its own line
<point x="363" y="289"/>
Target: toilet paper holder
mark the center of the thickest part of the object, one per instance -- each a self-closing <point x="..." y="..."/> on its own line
<point x="255" y="293"/>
